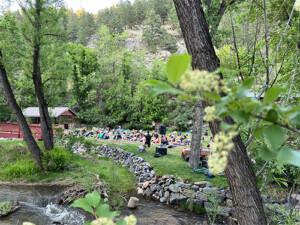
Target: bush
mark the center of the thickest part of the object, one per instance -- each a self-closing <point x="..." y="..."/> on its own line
<point x="56" y="159"/>
<point x="21" y="168"/>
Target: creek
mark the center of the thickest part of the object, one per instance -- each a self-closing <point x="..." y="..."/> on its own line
<point x="38" y="206"/>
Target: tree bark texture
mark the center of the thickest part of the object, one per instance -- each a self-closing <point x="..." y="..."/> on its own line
<point x="196" y="137"/>
<point x="27" y="134"/>
<point x="46" y="125"/>
<point x="239" y="171"/>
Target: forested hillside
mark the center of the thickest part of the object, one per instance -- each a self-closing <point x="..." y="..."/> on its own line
<point x="102" y="60"/>
<point x="95" y="63"/>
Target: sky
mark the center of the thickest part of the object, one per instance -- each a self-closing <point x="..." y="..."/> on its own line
<point x="92" y="6"/>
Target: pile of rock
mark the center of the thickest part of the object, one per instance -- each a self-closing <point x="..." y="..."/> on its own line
<point x="165" y="188"/>
<point x="79" y="148"/>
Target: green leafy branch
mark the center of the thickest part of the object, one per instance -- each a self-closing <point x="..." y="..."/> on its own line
<point x="231" y="100"/>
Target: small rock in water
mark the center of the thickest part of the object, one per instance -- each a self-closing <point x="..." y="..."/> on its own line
<point x="133" y="202"/>
<point x="9" y="207"/>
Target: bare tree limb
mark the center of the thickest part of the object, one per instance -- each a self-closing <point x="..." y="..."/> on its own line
<point x="262" y="169"/>
<point x="234" y="42"/>
<point x="264" y="184"/>
<point x="280" y="42"/>
<point x="293" y="78"/>
<point x="267" y="45"/>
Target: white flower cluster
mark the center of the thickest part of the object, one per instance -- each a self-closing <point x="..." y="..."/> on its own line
<point x="103" y="221"/>
<point x="297" y="5"/>
<point x="217" y="161"/>
<point x="200" y="81"/>
<point x="210" y="114"/>
<point x="130" y="220"/>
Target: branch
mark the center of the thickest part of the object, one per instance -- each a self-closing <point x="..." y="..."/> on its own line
<point x="234" y="42"/>
<point x="287" y="24"/>
<point x="296" y="64"/>
<point x="262" y="169"/>
<point x="267" y="45"/>
<point x="252" y="137"/>
<point x="279" y="124"/>
<point x="222" y="9"/>
<point x="287" y="49"/>
<point x="264" y="184"/>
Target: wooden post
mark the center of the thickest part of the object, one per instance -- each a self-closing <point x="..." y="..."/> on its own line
<point x="59" y="120"/>
<point x="72" y="118"/>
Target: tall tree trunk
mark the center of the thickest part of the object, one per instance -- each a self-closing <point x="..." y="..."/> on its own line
<point x="46" y="125"/>
<point x="196" y="136"/>
<point x="27" y="134"/>
<point x="239" y="171"/>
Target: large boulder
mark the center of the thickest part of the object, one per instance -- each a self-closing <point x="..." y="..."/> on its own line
<point x="201" y="196"/>
<point x="174" y="188"/>
<point x="177" y="198"/>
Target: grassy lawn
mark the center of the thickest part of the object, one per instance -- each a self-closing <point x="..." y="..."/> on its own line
<point x="16" y="165"/>
<point x="172" y="163"/>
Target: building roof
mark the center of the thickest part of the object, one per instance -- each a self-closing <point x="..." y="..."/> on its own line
<point x="54" y="112"/>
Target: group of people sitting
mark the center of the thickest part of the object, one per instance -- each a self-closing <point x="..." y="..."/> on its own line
<point x="119" y="134"/>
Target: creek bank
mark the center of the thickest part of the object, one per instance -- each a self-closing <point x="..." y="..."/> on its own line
<point x="168" y="190"/>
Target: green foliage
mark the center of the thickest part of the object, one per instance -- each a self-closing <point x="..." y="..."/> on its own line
<point x="176" y="66"/>
<point x="93" y="204"/>
<point x="5" y="208"/>
<point x="56" y="159"/>
<point x="237" y="105"/>
<point x="20" y="169"/>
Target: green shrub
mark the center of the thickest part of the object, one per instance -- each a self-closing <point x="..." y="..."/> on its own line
<point x="21" y="168"/>
<point x="56" y="159"/>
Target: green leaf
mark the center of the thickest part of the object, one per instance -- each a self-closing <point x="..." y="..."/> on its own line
<point x="93" y="198"/>
<point x="83" y="204"/>
<point x="225" y="126"/>
<point x="153" y="83"/>
<point x="240" y="116"/>
<point x="272" y="116"/>
<point x="87" y="222"/>
<point x="275" y="136"/>
<point x="212" y="95"/>
<point x="121" y="222"/>
<point x="103" y="210"/>
<point x="295" y="118"/>
<point x="267" y="154"/>
<point x="272" y="94"/>
<point x="251" y="105"/>
<point x="161" y="89"/>
<point x="246" y="85"/>
<point x="288" y="156"/>
<point x="258" y="133"/>
<point x="176" y="66"/>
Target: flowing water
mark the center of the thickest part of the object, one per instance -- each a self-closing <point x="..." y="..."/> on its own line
<point x="38" y="206"/>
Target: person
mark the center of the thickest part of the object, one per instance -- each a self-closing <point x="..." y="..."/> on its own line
<point x="148" y="141"/>
<point x="119" y="134"/>
<point x="153" y="125"/>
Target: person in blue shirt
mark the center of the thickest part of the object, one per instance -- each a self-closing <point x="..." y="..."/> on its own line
<point x="119" y="134"/>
